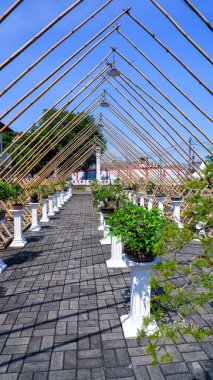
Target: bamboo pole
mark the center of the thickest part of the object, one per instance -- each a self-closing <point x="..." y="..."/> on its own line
<point x="199" y="14"/>
<point x="56" y="80"/>
<point x="160" y="115"/>
<point x="72" y="32"/>
<point x="10" y="10"/>
<point x="50" y="120"/>
<point x="151" y="137"/>
<point x="165" y="47"/>
<point x="163" y="74"/>
<point x="52" y="107"/>
<point x="39" y="34"/>
<point x="166" y="97"/>
<point x="184" y="154"/>
<point x="177" y="26"/>
<point x="147" y="141"/>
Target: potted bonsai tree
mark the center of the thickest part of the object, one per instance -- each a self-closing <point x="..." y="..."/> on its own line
<point x="17" y="197"/>
<point x="139" y="231"/>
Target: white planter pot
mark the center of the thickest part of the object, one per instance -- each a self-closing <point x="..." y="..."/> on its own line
<point x="176" y="211"/>
<point x="18" y="240"/>
<point x="58" y="199"/>
<point x="142" y="195"/>
<point x="140" y="299"/>
<point x="50" y="205"/>
<point x="55" y="208"/>
<point x="44" y="218"/>
<point x="134" y="199"/>
<point x="34" y="223"/>
<point x="116" y="260"/>
<point x="101" y="225"/>
<point x="106" y="239"/>
<point x="150" y="201"/>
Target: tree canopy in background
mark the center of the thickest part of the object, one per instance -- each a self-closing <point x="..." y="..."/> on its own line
<point x="9" y="136"/>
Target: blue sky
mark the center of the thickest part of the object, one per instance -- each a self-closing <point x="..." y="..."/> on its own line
<point x="31" y="16"/>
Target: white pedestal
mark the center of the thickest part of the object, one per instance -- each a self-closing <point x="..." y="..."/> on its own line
<point x="18" y="240"/>
<point x="44" y="218"/>
<point x="58" y="199"/>
<point x="65" y="196"/>
<point x="150" y="200"/>
<point x="62" y="197"/>
<point x="34" y="211"/>
<point x="140" y="299"/>
<point x="176" y="212"/>
<point x="55" y="208"/>
<point x="3" y="266"/>
<point x="134" y="199"/>
<point x="101" y="225"/>
<point x="160" y="202"/>
<point x="142" y="195"/>
<point x="50" y="204"/>
<point x="116" y="260"/>
<point x="130" y="195"/>
<point x="106" y="239"/>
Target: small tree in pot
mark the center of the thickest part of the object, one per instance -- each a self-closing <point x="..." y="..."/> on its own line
<point x="6" y="191"/>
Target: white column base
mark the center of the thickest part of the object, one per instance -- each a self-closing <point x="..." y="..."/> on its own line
<point x="116" y="260"/>
<point x="34" y="210"/>
<point x="59" y="200"/>
<point x="106" y="239"/>
<point x="150" y="200"/>
<point x="62" y="197"/>
<point x="131" y="329"/>
<point x="134" y="199"/>
<point x="142" y="195"/>
<point x="55" y="208"/>
<point x="140" y="299"/>
<point x="18" y="243"/>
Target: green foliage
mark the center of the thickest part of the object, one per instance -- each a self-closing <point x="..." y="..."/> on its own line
<point x="8" y="137"/>
<point x="182" y="282"/>
<point x="6" y="190"/>
<point x="111" y="195"/>
<point x="137" y="228"/>
<point x="150" y="187"/>
<point x="18" y="196"/>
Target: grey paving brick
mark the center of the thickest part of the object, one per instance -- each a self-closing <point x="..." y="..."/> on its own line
<point x="174" y="368"/>
<point x="155" y="372"/>
<point x="141" y="373"/>
<point x="119" y="372"/>
<point x="62" y="375"/>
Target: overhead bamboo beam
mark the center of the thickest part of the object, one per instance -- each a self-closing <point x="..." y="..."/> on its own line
<point x="166" y="97"/>
<point x="71" y="33"/>
<point x="148" y="135"/>
<point x="10" y="10"/>
<point x="166" y="110"/>
<point x="175" y="130"/>
<point x="199" y="14"/>
<point x="4" y="170"/>
<point x="177" y="26"/>
<point x="39" y="34"/>
<point x="53" y="106"/>
<point x="163" y="74"/>
<point x="56" y="80"/>
<point x="47" y="147"/>
<point x="165" y="47"/>
<point x="148" y="141"/>
<point x="168" y="137"/>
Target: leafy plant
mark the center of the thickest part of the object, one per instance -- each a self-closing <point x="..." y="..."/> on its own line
<point x="6" y="190"/>
<point x="138" y="229"/>
<point x="18" y="196"/>
<point x="150" y="187"/>
<point x="182" y="283"/>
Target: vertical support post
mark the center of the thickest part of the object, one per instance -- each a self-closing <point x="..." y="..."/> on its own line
<point x="161" y="200"/>
<point x="58" y="199"/>
<point x="55" y="207"/>
<point x="98" y="163"/>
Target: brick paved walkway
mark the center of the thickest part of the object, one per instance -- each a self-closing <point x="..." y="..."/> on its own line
<point x="60" y="309"/>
